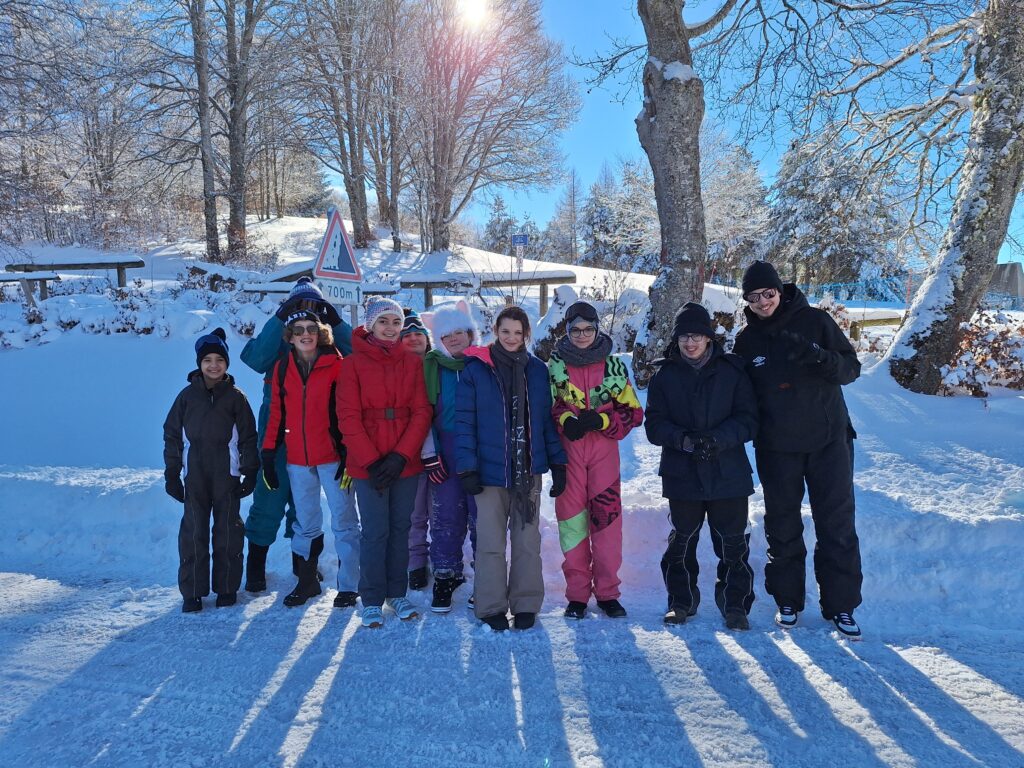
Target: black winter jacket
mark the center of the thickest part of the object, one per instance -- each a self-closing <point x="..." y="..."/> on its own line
<point x="715" y="400"/>
<point x="801" y="406"/>
<point x="211" y="434"/>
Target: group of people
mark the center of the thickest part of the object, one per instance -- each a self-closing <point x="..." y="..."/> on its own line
<point x="409" y="425"/>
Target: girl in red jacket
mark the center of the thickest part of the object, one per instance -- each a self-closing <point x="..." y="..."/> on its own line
<point x="304" y="416"/>
<point x="385" y="416"/>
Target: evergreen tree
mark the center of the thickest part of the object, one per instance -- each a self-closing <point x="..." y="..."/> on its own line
<point x="498" y="230"/>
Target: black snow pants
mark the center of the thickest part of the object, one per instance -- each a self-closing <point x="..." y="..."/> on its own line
<point x="727" y="519"/>
<point x="205" y="497"/>
<point x="828" y="474"/>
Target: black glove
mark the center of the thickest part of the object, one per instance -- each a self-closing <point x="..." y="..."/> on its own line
<point x="287" y="307"/>
<point x="705" y="448"/>
<point x="471" y="483"/>
<point x="573" y="429"/>
<point x="246" y="486"/>
<point x="173" y="486"/>
<point x="342" y="458"/>
<point x="330" y="315"/>
<point x="267" y="458"/>
<point x="683" y="441"/>
<point x="800" y="350"/>
<point x="557" y="480"/>
<point x="384" y="472"/>
<point x="590" y="420"/>
<point x="435" y="469"/>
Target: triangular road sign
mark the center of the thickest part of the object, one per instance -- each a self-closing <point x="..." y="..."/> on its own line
<point x="337" y="259"/>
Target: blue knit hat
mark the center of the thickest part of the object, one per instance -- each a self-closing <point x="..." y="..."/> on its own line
<point x="413" y="323"/>
<point x="305" y="288"/>
<point x="215" y="343"/>
<point x="380" y="305"/>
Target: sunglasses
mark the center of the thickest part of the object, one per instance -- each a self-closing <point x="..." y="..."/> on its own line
<point x="305" y="330"/>
<point x="756" y="296"/>
<point x="579" y="333"/>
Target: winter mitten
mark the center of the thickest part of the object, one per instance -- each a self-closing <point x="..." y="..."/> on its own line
<point x="557" y="480"/>
<point x="269" y="470"/>
<point x="435" y="469"/>
<point x="799" y="349"/>
<point x="174" y="488"/>
<point x="247" y="485"/>
<point x="705" y="448"/>
<point x="471" y="483"/>
<point x="590" y="420"/>
<point x="287" y="307"/>
<point x="330" y="315"/>
<point x="342" y="457"/>
<point x="389" y="469"/>
<point x="572" y="428"/>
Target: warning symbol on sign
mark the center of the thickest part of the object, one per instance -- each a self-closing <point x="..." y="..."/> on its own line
<point x="336" y="260"/>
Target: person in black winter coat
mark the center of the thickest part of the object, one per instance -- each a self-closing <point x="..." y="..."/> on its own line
<point x="210" y="435"/>
<point x="701" y="410"/>
<point x="798" y="360"/>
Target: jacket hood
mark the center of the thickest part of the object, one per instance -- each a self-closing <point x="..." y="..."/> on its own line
<point x="483" y="354"/>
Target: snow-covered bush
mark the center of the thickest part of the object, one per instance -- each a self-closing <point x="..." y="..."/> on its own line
<point x="991" y="355"/>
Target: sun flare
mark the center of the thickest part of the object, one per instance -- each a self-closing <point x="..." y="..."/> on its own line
<point x="473" y="13"/>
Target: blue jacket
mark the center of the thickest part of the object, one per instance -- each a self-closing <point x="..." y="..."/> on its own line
<point x="481" y="421"/>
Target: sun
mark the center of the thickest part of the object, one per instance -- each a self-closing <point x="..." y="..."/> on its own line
<point x="472" y="13"/>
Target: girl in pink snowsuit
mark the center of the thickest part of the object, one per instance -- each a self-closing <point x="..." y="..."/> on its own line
<point x="595" y="407"/>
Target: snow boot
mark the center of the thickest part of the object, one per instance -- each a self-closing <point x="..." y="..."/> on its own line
<point x="191" y="604"/>
<point x="498" y="622"/>
<point x="297" y="567"/>
<point x="345" y="599"/>
<point x="524" y="620"/>
<point x="736" y="620"/>
<point x="612" y="608"/>
<point x="677" y="614"/>
<point x="846" y="625"/>
<point x="443" y="589"/>
<point x="576" y="610"/>
<point x="309" y="585"/>
<point x="227" y="598"/>
<point x="418" y="578"/>
<point x="787" y="616"/>
<point x="256" y="568"/>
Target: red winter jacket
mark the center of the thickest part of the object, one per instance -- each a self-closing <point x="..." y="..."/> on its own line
<point x="310" y="410"/>
<point x="383" y="406"/>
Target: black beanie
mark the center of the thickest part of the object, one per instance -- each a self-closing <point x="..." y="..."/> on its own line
<point x="692" y="318"/>
<point x="215" y="343"/>
<point x="581" y="310"/>
<point x="759" y="275"/>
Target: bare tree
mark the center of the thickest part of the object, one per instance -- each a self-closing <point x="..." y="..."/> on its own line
<point x="201" y="62"/>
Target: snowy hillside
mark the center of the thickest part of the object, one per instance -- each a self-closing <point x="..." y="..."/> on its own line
<point x="100" y="667"/>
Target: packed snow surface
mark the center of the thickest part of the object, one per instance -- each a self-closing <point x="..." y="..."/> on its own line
<point x="99" y="667"/>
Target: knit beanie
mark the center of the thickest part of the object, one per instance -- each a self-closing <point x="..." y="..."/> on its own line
<point x="305" y="288"/>
<point x="380" y="305"/>
<point x="413" y="323"/>
<point x="692" y="318"/>
<point x="581" y="310"/>
<point x="760" y="275"/>
<point x="302" y="314"/>
<point x="216" y="343"/>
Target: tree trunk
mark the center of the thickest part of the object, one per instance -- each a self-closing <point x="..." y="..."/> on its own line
<point x="989" y="184"/>
<point x="669" y="127"/>
<point x="201" y="61"/>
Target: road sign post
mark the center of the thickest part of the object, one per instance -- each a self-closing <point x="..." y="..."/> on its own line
<point x="519" y="242"/>
<point x="336" y="269"/>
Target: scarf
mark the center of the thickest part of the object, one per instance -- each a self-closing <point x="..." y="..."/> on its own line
<point x="701" y="361"/>
<point x="511" y="370"/>
<point x="432" y="363"/>
<point x="595" y="353"/>
<point x="387" y="346"/>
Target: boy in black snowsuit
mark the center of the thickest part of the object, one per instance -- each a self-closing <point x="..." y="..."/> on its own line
<point x="798" y="360"/>
<point x="210" y="433"/>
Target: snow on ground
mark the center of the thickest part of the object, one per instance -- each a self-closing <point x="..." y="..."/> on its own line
<point x="99" y="667"/>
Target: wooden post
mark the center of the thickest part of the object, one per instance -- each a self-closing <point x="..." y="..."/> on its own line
<point x="854" y="331"/>
<point x="122" y="278"/>
<point x="353" y="315"/>
<point x="428" y="296"/>
<point x="44" y="290"/>
<point x="26" y="287"/>
<point x="543" y="299"/>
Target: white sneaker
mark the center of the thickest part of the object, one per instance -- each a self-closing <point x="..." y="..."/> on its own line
<point x="404" y="609"/>
<point x="373" y="617"/>
<point x="846" y="625"/>
<point x="787" y="616"/>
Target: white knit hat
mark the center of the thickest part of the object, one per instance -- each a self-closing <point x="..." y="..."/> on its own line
<point x="381" y="305"/>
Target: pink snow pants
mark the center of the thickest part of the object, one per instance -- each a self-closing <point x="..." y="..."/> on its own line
<point x="589" y="515"/>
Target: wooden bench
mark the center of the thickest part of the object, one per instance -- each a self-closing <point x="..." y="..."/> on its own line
<point x="63" y="266"/>
<point x="858" y="325"/>
<point x="27" y="279"/>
